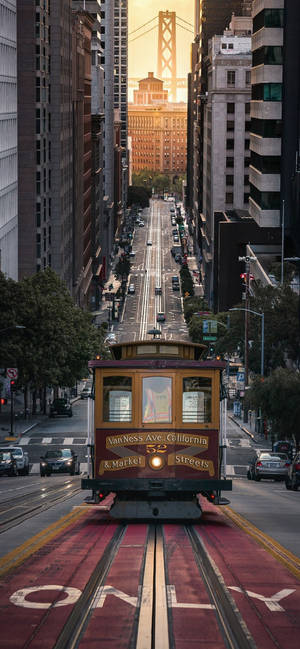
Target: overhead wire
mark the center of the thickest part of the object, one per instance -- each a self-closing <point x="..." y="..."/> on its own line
<point x="143" y="34"/>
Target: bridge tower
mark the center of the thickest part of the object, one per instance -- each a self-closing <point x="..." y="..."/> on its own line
<point x="166" y="55"/>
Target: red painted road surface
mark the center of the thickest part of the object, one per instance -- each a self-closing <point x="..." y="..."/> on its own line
<point x="267" y="595"/>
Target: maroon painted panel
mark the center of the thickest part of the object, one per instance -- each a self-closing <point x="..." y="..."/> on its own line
<point x="191" y="454"/>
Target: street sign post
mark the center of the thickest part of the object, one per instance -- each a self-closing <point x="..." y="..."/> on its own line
<point x="12" y="373"/>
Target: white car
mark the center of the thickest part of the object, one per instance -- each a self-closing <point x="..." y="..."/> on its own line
<point x="21" y="457"/>
<point x="110" y="339"/>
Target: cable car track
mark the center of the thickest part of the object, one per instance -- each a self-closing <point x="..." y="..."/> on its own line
<point x="152" y="625"/>
<point x="27" y="505"/>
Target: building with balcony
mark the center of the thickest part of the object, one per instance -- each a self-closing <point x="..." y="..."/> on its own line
<point x="266" y="111"/>
<point x="226" y="128"/>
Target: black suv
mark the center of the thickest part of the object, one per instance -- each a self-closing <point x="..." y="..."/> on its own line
<point x="59" y="461"/>
<point x="60" y="407"/>
<point x="292" y="480"/>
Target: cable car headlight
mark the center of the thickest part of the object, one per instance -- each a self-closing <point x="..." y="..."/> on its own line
<point x="156" y="462"/>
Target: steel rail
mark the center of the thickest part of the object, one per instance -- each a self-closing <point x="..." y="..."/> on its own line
<point x="32" y="509"/>
<point x="79" y="618"/>
<point x="234" y="629"/>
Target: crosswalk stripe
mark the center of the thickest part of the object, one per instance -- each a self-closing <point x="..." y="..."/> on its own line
<point x="68" y="441"/>
<point x="46" y="440"/>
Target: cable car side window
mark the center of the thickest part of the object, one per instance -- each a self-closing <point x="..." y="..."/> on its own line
<point x="117" y="398"/>
<point x="157" y="399"/>
<point x="196" y="400"/>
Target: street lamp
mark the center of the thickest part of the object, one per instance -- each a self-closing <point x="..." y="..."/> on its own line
<point x="262" y="316"/>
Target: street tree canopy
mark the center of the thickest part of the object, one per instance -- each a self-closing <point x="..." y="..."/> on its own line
<point x="280" y="306"/>
<point x="278" y="396"/>
<point x="59" y="338"/>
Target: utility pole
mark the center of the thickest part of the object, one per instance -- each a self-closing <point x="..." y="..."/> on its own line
<point x="247" y="259"/>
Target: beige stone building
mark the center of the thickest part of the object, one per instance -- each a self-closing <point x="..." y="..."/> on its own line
<point x="158" y="129"/>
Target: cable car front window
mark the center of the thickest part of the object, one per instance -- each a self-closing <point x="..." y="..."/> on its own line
<point x="157" y="399"/>
<point x="117" y="398"/>
<point x="196" y="400"/>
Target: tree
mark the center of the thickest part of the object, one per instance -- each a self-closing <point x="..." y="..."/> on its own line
<point x="278" y="396"/>
<point x="59" y="337"/>
<point x="282" y="336"/>
<point x="138" y="195"/>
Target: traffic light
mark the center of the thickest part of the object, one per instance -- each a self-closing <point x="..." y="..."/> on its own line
<point x="12" y="384"/>
<point x="3" y="401"/>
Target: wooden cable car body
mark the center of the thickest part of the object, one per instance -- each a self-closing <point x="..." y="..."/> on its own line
<point x="157" y="430"/>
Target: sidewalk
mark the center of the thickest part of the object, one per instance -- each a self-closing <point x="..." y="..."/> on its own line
<point x="249" y="429"/>
<point x="22" y="425"/>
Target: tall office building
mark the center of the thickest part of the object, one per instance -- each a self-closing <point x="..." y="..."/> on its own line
<point x="121" y="65"/>
<point x="8" y="140"/>
<point x="211" y="18"/>
<point x="266" y="111"/>
<point x="226" y="127"/>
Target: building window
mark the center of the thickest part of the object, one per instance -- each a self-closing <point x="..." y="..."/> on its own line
<point x="246" y="180"/>
<point x="267" y="127"/>
<point x="231" y="78"/>
<point x="266" y="164"/>
<point x="229" y="180"/>
<point x="230" y="144"/>
<point x="229" y="198"/>
<point x="230" y="126"/>
<point x="268" y="18"/>
<point x="247" y="143"/>
<point x="267" y="91"/>
<point x="248" y="77"/>
<point x="269" y="55"/>
<point x="230" y="108"/>
<point x="265" y="200"/>
<point x="246" y="197"/>
<point x="247" y="108"/>
<point x="229" y="162"/>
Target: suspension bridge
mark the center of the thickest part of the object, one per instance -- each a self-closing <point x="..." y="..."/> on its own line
<point x="166" y="22"/>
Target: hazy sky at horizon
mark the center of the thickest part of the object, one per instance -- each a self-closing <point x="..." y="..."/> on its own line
<point x="142" y="52"/>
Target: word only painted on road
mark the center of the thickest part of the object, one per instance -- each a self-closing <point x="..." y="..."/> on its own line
<point x="19" y="598"/>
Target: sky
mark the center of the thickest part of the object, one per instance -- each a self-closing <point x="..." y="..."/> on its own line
<point x="143" y="51"/>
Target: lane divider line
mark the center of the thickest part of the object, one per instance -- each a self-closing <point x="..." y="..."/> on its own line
<point x="287" y="558"/>
<point x="22" y="552"/>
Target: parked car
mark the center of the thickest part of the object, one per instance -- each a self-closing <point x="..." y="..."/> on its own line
<point x="158" y="290"/>
<point x="175" y="287"/>
<point x="160" y="317"/>
<point x="284" y="446"/>
<point x="292" y="479"/>
<point x="131" y="289"/>
<point x="110" y="339"/>
<point x="59" y="461"/>
<point x="178" y="258"/>
<point x="175" y="279"/>
<point x="21" y="457"/>
<point x="141" y="224"/>
<point x="149" y="243"/>
<point x="267" y="464"/>
<point x="60" y="407"/>
<point x="8" y="464"/>
<point x="85" y="393"/>
<point x="132" y="253"/>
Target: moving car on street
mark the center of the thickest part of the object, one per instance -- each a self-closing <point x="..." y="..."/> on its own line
<point x="85" y="393"/>
<point x="59" y="461"/>
<point x="21" y="458"/>
<point x="267" y="464"/>
<point x="60" y="407"/>
<point x="131" y="289"/>
<point x="8" y="465"/>
<point x="160" y="317"/>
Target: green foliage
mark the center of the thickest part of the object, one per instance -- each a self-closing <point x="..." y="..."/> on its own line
<point x="59" y="337"/>
<point x="192" y="305"/>
<point x="186" y="281"/>
<point x="138" y="195"/>
<point x="122" y="266"/>
<point x="280" y="306"/>
<point x="278" y="396"/>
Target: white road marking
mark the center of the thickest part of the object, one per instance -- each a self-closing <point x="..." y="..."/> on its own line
<point x="19" y="597"/>
<point x="270" y="602"/>
<point x="68" y="441"/>
<point x="46" y="440"/>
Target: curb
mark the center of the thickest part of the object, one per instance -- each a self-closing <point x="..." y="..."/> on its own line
<point x="245" y="430"/>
